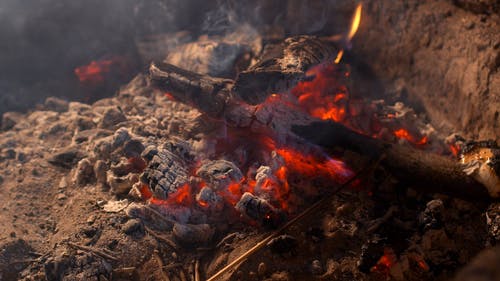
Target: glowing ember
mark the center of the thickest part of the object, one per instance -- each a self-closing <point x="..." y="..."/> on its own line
<point x="385" y="262"/>
<point x="323" y="97"/>
<point x="96" y="71"/>
<point x="169" y="96"/>
<point x="182" y="196"/>
<point x="404" y="134"/>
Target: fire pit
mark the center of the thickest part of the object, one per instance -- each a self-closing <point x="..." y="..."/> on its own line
<point x="260" y="147"/>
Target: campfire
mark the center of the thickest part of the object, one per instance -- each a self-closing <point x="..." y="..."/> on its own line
<point x="249" y="152"/>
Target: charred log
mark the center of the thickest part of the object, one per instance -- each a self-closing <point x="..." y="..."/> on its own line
<point x="429" y="172"/>
<point x="281" y="66"/>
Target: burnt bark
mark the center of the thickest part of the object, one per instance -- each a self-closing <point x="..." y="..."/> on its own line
<point x="281" y="66"/>
<point x="426" y="171"/>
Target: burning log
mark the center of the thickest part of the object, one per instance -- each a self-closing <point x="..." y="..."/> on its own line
<point x="281" y="66"/>
<point x="216" y="98"/>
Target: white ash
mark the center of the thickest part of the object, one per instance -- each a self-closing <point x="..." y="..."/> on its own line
<point x="219" y="174"/>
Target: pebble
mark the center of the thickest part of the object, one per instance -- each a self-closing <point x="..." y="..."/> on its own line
<point x="132" y="226"/>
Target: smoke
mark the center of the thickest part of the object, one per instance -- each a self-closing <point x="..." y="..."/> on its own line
<point x="43" y="41"/>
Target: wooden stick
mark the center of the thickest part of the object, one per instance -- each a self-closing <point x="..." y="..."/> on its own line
<point x="306" y="212"/>
<point x="92" y="250"/>
<point x="429" y="172"/>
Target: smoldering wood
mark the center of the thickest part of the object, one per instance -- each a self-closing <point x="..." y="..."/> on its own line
<point x="281" y="66"/>
<point x="165" y="173"/>
<point x="428" y="172"/>
<point x="204" y="92"/>
<point x="216" y="97"/>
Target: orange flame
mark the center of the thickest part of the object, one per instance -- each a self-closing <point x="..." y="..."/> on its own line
<point x="356" y="20"/>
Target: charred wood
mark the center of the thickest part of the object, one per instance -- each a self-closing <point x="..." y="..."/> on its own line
<point x="427" y="171"/>
<point x="281" y="66"/>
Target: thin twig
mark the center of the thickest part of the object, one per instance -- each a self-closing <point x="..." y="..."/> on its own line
<point x="161" y="238"/>
<point x="197" y="270"/>
<point x="92" y="250"/>
<point x="306" y="212"/>
<point x="164" y="275"/>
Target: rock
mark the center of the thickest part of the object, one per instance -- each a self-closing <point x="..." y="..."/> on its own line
<point x="316" y="267"/>
<point x="132" y="226"/>
<point x="84" y="172"/>
<point x="66" y="158"/>
<point x="262" y="269"/>
<point x="56" y="104"/>
<point x="193" y="234"/>
<point x="112" y="117"/>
